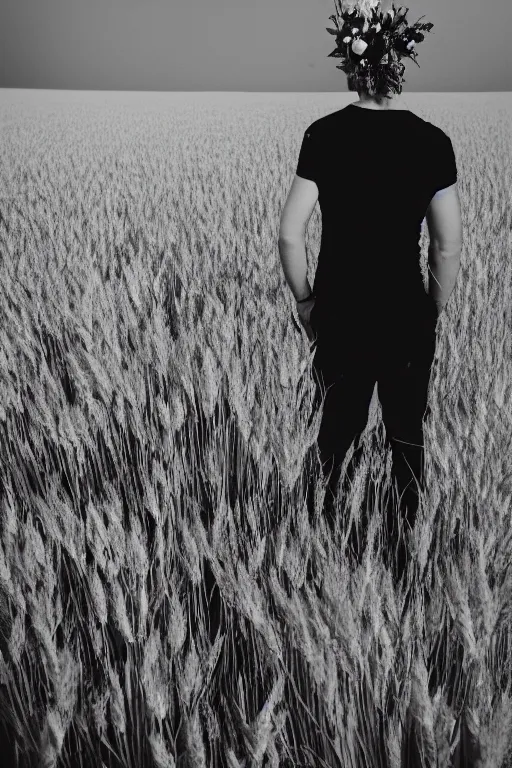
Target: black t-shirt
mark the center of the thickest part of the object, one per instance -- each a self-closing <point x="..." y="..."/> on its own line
<point x="376" y="173"/>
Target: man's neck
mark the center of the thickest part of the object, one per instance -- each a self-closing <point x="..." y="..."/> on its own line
<point x="368" y="103"/>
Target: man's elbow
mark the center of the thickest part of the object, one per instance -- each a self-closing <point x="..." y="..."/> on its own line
<point x="287" y="236"/>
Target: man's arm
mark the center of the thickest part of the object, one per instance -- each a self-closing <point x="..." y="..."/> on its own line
<point x="443" y="268"/>
<point x="445" y="230"/>
<point x="292" y="232"/>
<point x="294" y="262"/>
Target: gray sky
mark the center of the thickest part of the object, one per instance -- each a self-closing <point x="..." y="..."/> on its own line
<point x="235" y="45"/>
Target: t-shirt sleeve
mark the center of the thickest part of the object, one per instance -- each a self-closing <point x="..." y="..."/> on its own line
<point x="307" y="166"/>
<point x="445" y="164"/>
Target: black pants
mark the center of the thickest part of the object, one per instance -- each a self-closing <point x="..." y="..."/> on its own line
<point x="402" y="376"/>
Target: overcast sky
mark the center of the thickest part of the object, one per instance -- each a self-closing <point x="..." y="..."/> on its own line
<point x="235" y="45"/>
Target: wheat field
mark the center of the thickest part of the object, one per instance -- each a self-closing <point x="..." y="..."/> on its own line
<point x="166" y="597"/>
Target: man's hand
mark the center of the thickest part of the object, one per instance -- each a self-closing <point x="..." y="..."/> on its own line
<point x="304" y="313"/>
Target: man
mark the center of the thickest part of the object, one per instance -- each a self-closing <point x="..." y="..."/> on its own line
<point x="377" y="170"/>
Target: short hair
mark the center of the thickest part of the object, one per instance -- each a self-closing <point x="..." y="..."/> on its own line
<point x="379" y="82"/>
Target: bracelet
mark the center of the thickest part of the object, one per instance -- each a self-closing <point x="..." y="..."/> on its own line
<point x="303" y="301"/>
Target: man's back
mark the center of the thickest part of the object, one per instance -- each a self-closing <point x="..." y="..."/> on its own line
<point x="377" y="172"/>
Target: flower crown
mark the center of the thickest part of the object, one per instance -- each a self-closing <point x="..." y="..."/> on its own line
<point x="381" y="37"/>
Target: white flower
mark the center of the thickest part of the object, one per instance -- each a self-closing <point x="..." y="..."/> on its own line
<point x="411" y="45"/>
<point x="362" y="62"/>
<point x="377" y="26"/>
<point x="365" y="7"/>
<point x="347" y="39"/>
<point x="359" y="46"/>
<point x="355" y="30"/>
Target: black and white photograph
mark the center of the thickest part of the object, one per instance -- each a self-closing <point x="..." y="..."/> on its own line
<point x="255" y="384"/>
